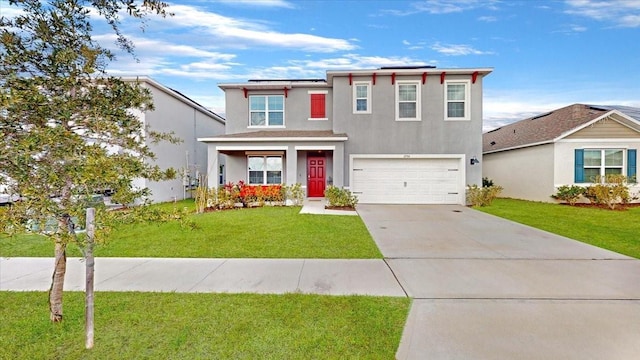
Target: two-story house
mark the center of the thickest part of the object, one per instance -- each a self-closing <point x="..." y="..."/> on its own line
<point x="403" y="135"/>
<point x="177" y="114"/>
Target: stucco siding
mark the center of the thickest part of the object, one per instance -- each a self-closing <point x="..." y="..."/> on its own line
<point x="526" y="173"/>
<point x="188" y="156"/>
<point x="380" y="133"/>
<point x="296" y="107"/>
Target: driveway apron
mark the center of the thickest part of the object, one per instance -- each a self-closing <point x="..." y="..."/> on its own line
<point x="488" y="288"/>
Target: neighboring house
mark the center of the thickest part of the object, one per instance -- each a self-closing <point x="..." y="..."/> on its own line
<point x="174" y="112"/>
<point x="407" y="135"/>
<point x="572" y="145"/>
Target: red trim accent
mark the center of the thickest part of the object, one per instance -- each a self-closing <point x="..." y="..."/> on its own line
<point x="474" y="76"/>
<point x="350" y="79"/>
<point x="393" y="78"/>
<point x="245" y="92"/>
<point x="442" y="75"/>
<point x="424" y="78"/>
<point x="374" y="78"/>
<point x="286" y="92"/>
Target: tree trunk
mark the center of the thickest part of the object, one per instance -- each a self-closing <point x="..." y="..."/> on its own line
<point x="57" y="282"/>
<point x="90" y="264"/>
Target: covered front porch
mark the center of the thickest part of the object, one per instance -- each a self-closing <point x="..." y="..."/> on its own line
<point x="313" y="159"/>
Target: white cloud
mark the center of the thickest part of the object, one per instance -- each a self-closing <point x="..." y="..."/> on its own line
<point x="239" y="33"/>
<point x="444" y="6"/>
<point x="623" y="13"/>
<point x="488" y="18"/>
<point x="9" y="11"/>
<point x="458" y="50"/>
<point x="259" y="3"/>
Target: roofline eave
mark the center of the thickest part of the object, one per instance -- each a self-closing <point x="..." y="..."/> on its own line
<point x="546" y="142"/>
<point x="272" y="139"/>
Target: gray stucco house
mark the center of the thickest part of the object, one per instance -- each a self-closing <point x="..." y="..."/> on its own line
<point x="408" y="135"/>
<point x="573" y="145"/>
<point x="175" y="112"/>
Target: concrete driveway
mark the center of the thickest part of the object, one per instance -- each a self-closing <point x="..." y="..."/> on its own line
<point x="487" y="288"/>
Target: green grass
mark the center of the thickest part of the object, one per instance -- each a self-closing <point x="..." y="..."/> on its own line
<point x="267" y="232"/>
<point x="204" y="326"/>
<point x="618" y="231"/>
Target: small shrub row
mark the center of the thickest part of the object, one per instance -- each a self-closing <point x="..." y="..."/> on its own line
<point x="482" y="196"/>
<point x="231" y="194"/>
<point x="610" y="190"/>
<point x="339" y="197"/>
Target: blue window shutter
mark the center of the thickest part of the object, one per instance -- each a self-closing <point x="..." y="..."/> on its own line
<point x="579" y="166"/>
<point x="631" y="165"/>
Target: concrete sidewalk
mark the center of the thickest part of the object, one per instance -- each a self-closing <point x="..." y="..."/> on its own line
<point x="262" y="276"/>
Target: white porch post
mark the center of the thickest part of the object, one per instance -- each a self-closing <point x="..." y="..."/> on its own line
<point x="292" y="165"/>
<point x="213" y="170"/>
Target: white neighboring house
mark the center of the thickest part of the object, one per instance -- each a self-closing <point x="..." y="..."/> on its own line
<point x="573" y="145"/>
<point x="175" y="112"/>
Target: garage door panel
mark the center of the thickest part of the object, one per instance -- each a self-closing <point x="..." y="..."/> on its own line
<point x="407" y="181"/>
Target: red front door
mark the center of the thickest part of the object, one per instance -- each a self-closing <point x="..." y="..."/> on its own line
<point x="315" y="176"/>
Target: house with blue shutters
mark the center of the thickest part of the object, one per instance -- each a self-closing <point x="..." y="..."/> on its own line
<point x="574" y="145"/>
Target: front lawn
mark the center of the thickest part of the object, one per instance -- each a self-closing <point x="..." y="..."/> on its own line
<point x="618" y="231"/>
<point x="267" y="232"/>
<point x="204" y="326"/>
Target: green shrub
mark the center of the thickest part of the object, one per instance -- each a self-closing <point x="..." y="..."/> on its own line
<point x="340" y="197"/>
<point x="482" y="196"/>
<point x="294" y="193"/>
<point x="610" y="190"/>
<point x="569" y="193"/>
<point x="486" y="182"/>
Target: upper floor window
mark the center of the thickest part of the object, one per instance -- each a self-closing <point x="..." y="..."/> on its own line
<point x="318" y="103"/>
<point x="408" y="101"/>
<point x="362" y="97"/>
<point x="457" y="100"/>
<point x="266" y="110"/>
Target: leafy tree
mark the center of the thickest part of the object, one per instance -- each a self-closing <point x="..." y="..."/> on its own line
<point x="67" y="129"/>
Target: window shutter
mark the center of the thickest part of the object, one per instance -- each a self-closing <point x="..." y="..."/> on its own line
<point x="318" y="106"/>
<point x="631" y="165"/>
<point x="579" y="166"/>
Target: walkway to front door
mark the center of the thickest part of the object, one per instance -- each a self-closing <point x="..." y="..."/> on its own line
<point x="315" y="176"/>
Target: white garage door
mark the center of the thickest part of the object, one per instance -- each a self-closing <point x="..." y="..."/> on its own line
<point x="412" y="180"/>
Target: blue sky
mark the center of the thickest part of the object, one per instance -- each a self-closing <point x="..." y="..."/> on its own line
<point x="545" y="54"/>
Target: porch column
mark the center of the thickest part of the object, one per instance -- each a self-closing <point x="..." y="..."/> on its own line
<point x="212" y="166"/>
<point x="338" y="165"/>
<point x="292" y="165"/>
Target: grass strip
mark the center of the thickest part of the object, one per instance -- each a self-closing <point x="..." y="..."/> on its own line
<point x="267" y="232"/>
<point x="618" y="231"/>
<point x="198" y="326"/>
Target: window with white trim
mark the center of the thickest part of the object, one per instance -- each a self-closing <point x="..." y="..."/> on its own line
<point x="408" y="101"/>
<point x="264" y="170"/>
<point x="266" y="110"/>
<point x="362" y="97"/>
<point x="457" y="96"/>
<point x="601" y="162"/>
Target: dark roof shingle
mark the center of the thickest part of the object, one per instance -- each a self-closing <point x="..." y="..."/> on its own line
<point x="541" y="128"/>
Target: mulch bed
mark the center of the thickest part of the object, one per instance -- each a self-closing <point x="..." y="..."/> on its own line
<point x="346" y="208"/>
